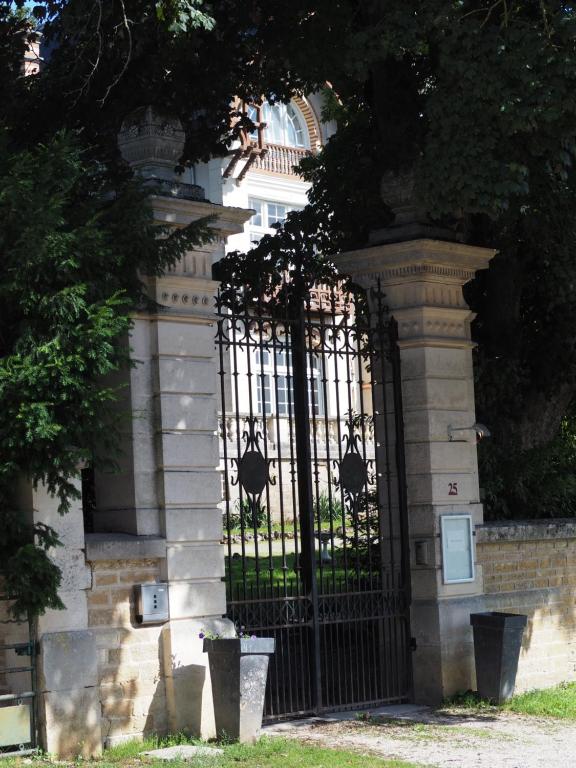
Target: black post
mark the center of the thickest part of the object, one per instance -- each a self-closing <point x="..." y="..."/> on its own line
<point x="304" y="477"/>
<point x="34" y="704"/>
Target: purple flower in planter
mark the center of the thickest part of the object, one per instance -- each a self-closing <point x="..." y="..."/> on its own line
<point x="252" y="637"/>
<point x="201" y="635"/>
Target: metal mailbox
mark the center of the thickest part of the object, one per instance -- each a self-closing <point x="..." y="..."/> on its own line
<point x="152" y="603"/>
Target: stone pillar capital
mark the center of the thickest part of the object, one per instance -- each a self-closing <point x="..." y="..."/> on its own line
<point x="417" y="272"/>
<point x="422" y="283"/>
<point x="186" y="290"/>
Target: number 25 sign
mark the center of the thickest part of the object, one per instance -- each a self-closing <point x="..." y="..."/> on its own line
<point x="452" y="489"/>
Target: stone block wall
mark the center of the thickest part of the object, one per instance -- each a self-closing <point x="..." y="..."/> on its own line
<point x="130" y="666"/>
<point x="530" y="568"/>
<point x="150" y="679"/>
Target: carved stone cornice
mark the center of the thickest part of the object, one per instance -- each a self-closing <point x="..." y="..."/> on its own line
<point x="418" y="271"/>
<point x="422" y="285"/>
<point x="183" y="296"/>
<point x="196" y="263"/>
<point x="179" y="212"/>
<point x="434" y="326"/>
<point x="436" y="260"/>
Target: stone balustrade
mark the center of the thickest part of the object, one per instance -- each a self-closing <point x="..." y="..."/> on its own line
<point x="268" y="427"/>
<point x="280" y="159"/>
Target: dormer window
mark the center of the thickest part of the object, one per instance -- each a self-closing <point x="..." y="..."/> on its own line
<point x="284" y="125"/>
<point x="282" y="136"/>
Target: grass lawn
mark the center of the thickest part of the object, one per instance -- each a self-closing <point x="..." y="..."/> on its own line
<point x="288" y="527"/>
<point x="330" y="570"/>
<point x="550" y="702"/>
<point x="235" y="564"/>
<point x="559" y="702"/>
<point x="268" y="753"/>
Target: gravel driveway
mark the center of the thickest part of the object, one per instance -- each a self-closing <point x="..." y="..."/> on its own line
<point x="445" y="738"/>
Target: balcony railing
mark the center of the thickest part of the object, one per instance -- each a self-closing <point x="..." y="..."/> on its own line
<point x="280" y="159"/>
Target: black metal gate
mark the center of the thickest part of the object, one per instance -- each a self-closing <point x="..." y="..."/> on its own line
<point x="314" y="488"/>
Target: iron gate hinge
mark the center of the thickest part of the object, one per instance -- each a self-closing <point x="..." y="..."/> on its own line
<point x="26" y="649"/>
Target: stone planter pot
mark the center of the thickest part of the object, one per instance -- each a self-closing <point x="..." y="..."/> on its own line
<point x="497" y="642"/>
<point x="238" y="671"/>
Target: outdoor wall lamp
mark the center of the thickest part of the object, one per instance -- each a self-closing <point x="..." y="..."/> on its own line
<point x="480" y="429"/>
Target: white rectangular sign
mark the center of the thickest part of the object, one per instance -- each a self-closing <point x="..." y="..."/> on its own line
<point x="15" y="725"/>
<point x="457" y="548"/>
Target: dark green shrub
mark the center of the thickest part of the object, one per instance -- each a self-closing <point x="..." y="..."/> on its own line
<point x="328" y="509"/>
<point x="252" y="514"/>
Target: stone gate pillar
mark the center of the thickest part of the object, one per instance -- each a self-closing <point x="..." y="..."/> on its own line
<point x="422" y="281"/>
<point x="160" y="514"/>
<point x="171" y="488"/>
<point x="189" y="484"/>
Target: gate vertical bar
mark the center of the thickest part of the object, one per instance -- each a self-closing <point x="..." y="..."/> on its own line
<point x="305" y="492"/>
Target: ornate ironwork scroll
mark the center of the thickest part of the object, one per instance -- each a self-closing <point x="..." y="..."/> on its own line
<point x="252" y="468"/>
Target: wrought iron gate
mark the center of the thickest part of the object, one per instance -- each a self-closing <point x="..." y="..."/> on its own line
<point x="314" y="488"/>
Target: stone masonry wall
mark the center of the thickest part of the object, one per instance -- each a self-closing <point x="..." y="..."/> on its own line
<point x="530" y="568"/>
<point x="131" y="675"/>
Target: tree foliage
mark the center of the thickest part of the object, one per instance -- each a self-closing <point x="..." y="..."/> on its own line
<point x="476" y="98"/>
<point x="476" y="101"/>
<point x="187" y="58"/>
<point x="72" y="245"/>
<point x="71" y="249"/>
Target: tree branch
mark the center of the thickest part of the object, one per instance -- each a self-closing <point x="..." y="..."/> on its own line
<point x="126" y="25"/>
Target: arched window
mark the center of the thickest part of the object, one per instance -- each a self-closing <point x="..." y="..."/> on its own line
<point x="284" y="124"/>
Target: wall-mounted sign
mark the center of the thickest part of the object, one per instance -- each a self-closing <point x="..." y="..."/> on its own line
<point x="457" y="548"/>
<point x="15" y="725"/>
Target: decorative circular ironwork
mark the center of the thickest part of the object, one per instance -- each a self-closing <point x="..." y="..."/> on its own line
<point x="253" y="472"/>
<point x="353" y="473"/>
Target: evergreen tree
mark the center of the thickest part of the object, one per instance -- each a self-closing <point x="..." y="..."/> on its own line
<point x="71" y="246"/>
